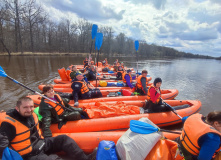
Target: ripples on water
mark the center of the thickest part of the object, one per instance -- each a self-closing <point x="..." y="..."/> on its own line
<point x="194" y="78"/>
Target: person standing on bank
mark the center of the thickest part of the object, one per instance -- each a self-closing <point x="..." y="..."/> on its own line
<point x="142" y="83"/>
<point x="154" y="101"/>
<point x="20" y="131"/>
<point x="201" y="136"/>
<point x="53" y="113"/>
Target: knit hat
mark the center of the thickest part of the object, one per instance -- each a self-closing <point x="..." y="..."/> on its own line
<point x="157" y="80"/>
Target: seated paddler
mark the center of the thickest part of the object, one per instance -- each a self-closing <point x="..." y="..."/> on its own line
<point x="83" y="90"/>
<point x="58" y="112"/>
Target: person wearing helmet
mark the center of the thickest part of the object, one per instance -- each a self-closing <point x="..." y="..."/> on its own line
<point x="154" y="101"/>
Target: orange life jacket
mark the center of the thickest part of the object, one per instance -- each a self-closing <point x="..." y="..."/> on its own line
<point x="58" y="108"/>
<point x="84" y="87"/>
<point x="193" y="129"/>
<point x="139" y="84"/>
<point x="149" y="97"/>
<point x="21" y="143"/>
<point x="123" y="77"/>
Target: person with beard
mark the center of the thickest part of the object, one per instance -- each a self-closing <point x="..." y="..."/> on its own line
<point x="20" y="131"/>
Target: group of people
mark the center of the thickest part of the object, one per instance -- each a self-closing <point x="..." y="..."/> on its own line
<point x="20" y="128"/>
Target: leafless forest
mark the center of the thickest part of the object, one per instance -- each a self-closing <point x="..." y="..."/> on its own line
<point x="26" y="27"/>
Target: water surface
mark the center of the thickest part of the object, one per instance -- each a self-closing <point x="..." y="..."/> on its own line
<point x="194" y="78"/>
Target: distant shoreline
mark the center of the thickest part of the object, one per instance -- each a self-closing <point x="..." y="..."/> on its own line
<point x="45" y="54"/>
<point x="57" y="54"/>
<point x="86" y="55"/>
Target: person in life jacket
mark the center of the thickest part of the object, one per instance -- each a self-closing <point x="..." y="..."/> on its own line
<point x="75" y="71"/>
<point x="85" y="62"/>
<point x="122" y="65"/>
<point x="127" y="79"/>
<point x="142" y="83"/>
<point x="201" y="136"/>
<point x="154" y="101"/>
<point x="120" y="72"/>
<point x="116" y="65"/>
<point x="53" y="113"/>
<point x="82" y="91"/>
<point x="19" y="130"/>
<point x="105" y="62"/>
<point x="91" y="75"/>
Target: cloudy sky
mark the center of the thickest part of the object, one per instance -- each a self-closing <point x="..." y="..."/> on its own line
<point x="187" y="25"/>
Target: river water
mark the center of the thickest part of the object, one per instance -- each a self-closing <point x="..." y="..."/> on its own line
<point x="194" y="78"/>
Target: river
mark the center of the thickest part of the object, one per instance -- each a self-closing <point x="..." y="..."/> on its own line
<point x="194" y="78"/>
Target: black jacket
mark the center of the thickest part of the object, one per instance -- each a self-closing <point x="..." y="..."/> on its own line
<point x="9" y="130"/>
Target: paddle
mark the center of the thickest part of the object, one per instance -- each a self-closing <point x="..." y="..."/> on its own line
<point x="146" y="128"/>
<point x="136" y="43"/>
<point x="9" y="154"/>
<point x="3" y="74"/>
<point x="173" y="110"/>
<point x="98" y="43"/>
<point x="93" y="34"/>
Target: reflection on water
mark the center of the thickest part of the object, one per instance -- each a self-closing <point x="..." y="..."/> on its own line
<point x="194" y="78"/>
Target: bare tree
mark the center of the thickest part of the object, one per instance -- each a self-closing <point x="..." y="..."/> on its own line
<point x="33" y="14"/>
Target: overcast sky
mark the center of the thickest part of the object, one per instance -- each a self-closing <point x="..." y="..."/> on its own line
<point x="187" y="25"/>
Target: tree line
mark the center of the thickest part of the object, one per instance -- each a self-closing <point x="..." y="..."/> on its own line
<point x="27" y="27"/>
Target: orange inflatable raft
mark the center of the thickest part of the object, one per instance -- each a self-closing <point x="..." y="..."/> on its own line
<point x="87" y="141"/>
<point x="122" y="122"/>
<point x="166" y="94"/>
<point x="65" y="77"/>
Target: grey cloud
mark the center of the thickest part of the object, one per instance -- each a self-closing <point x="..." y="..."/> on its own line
<point x="216" y="1"/>
<point x="158" y="4"/>
<point x="174" y="44"/>
<point x="200" y="35"/>
<point x="170" y="15"/>
<point x="88" y="9"/>
<point x="176" y="27"/>
<point x="202" y="16"/>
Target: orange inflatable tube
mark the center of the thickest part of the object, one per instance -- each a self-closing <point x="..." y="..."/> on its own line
<point x="122" y="122"/>
<point x="60" y="81"/>
<point x="87" y="141"/>
<point x="63" y="74"/>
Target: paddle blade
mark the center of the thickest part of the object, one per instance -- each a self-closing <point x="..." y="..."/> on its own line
<point x="99" y="40"/>
<point x="136" y="43"/>
<point x="142" y="127"/>
<point x="2" y="72"/>
<point x="94" y="31"/>
<point x="9" y="154"/>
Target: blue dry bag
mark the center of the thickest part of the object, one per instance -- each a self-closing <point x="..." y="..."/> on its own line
<point x="9" y="154"/>
<point x="106" y="151"/>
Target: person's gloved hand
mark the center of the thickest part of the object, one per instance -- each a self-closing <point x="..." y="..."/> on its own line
<point x="4" y="142"/>
<point x="61" y="123"/>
